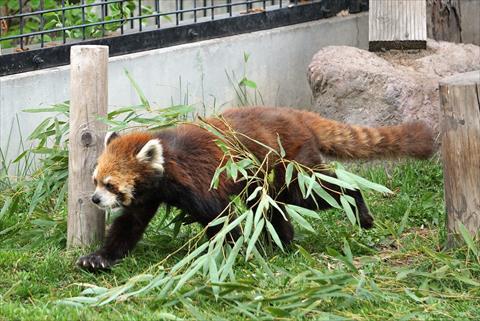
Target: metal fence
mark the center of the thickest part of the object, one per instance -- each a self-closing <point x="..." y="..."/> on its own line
<point x="37" y="33"/>
<point x="43" y="22"/>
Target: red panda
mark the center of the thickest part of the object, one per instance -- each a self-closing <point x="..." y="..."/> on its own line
<point x="139" y="171"/>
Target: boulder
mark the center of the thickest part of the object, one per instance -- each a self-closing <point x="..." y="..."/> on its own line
<point x="360" y="87"/>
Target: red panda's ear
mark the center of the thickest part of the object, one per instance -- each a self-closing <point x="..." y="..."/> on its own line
<point x="152" y="153"/>
<point x="109" y="137"/>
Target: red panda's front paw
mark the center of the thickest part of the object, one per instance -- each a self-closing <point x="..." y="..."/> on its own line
<point x="94" y="262"/>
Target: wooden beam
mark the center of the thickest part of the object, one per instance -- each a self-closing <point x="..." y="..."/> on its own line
<point x="88" y="101"/>
<point x="397" y="24"/>
<point x="444" y="20"/>
<point x="460" y="112"/>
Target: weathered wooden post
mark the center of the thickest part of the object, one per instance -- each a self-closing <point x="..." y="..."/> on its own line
<point x="88" y="100"/>
<point x="460" y="112"/>
<point x="397" y="24"/>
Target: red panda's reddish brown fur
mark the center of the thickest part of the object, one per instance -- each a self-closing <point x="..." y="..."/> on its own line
<point x="175" y="166"/>
<point x="333" y="138"/>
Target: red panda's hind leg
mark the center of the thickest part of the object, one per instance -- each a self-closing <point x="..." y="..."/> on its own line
<point x="366" y="219"/>
<point x="283" y="226"/>
<point x="310" y="156"/>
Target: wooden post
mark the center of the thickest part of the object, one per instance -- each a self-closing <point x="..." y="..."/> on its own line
<point x="88" y="100"/>
<point x="397" y="24"/>
<point x="444" y="20"/>
<point x="460" y="110"/>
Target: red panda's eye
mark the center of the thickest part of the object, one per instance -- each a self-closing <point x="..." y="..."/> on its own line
<point x="95" y="181"/>
<point x="109" y="186"/>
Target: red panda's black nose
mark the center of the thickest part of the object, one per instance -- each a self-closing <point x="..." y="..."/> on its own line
<point x="95" y="199"/>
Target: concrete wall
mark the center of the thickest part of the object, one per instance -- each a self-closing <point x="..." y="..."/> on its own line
<point x="278" y="64"/>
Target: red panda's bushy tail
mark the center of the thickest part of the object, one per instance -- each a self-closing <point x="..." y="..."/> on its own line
<point x="414" y="139"/>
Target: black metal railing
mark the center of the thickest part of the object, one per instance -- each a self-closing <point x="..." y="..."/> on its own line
<point x="31" y="23"/>
<point x="37" y="33"/>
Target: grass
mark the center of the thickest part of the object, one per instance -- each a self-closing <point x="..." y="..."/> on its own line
<point x="396" y="271"/>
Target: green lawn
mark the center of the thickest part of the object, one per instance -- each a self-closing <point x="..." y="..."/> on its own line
<point x="396" y="271"/>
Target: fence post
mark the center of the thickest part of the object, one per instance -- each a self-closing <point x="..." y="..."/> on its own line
<point x="88" y="100"/>
<point x="397" y="24"/>
<point x="460" y="112"/>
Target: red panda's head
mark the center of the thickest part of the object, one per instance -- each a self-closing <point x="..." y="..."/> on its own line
<point x="124" y="165"/>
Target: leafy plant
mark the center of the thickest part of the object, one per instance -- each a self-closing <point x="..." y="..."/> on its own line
<point x="245" y="89"/>
<point x="39" y="198"/>
<point x="65" y="15"/>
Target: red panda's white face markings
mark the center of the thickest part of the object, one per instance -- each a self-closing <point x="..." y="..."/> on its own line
<point x="104" y="195"/>
<point x="110" y="193"/>
<point x="126" y="161"/>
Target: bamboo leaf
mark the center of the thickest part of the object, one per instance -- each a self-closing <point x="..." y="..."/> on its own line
<point x="189" y="257"/>
<point x="214" y="275"/>
<point x="254" y="193"/>
<point x="248" y="83"/>
<point x="78" y="301"/>
<point x="363" y="182"/>
<point x="233" y="171"/>
<point x="216" y="178"/>
<point x="259" y="258"/>
<point x="57" y="108"/>
<point x="6" y="206"/>
<point x="299" y="219"/>
<point x="288" y="174"/>
<point x="40" y="129"/>
<point x="262" y="206"/>
<point x="224" y="231"/>
<point x="467" y="237"/>
<point x="248" y="224"/>
<point x="311" y="182"/>
<point x="167" y="316"/>
<point x="252" y="242"/>
<point x="348" y="209"/>
<point x="274" y="204"/>
<point x="347" y="251"/>
<point x="304" y="211"/>
<point x="334" y="181"/>
<point x="69" y="302"/>
<point x="227" y="268"/>
<point x="320" y="191"/>
<point x="274" y="235"/>
<point x="139" y="91"/>
<point x="176" y="111"/>
<point x="218" y="221"/>
<point x="114" y="293"/>
<point x="301" y="183"/>
<point x="196" y="266"/>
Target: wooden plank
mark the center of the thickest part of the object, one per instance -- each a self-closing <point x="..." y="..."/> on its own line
<point x="445" y="20"/>
<point x="88" y="88"/>
<point x="397" y="24"/>
<point x="460" y="111"/>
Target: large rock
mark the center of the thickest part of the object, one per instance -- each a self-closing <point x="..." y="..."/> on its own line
<point x="357" y="86"/>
